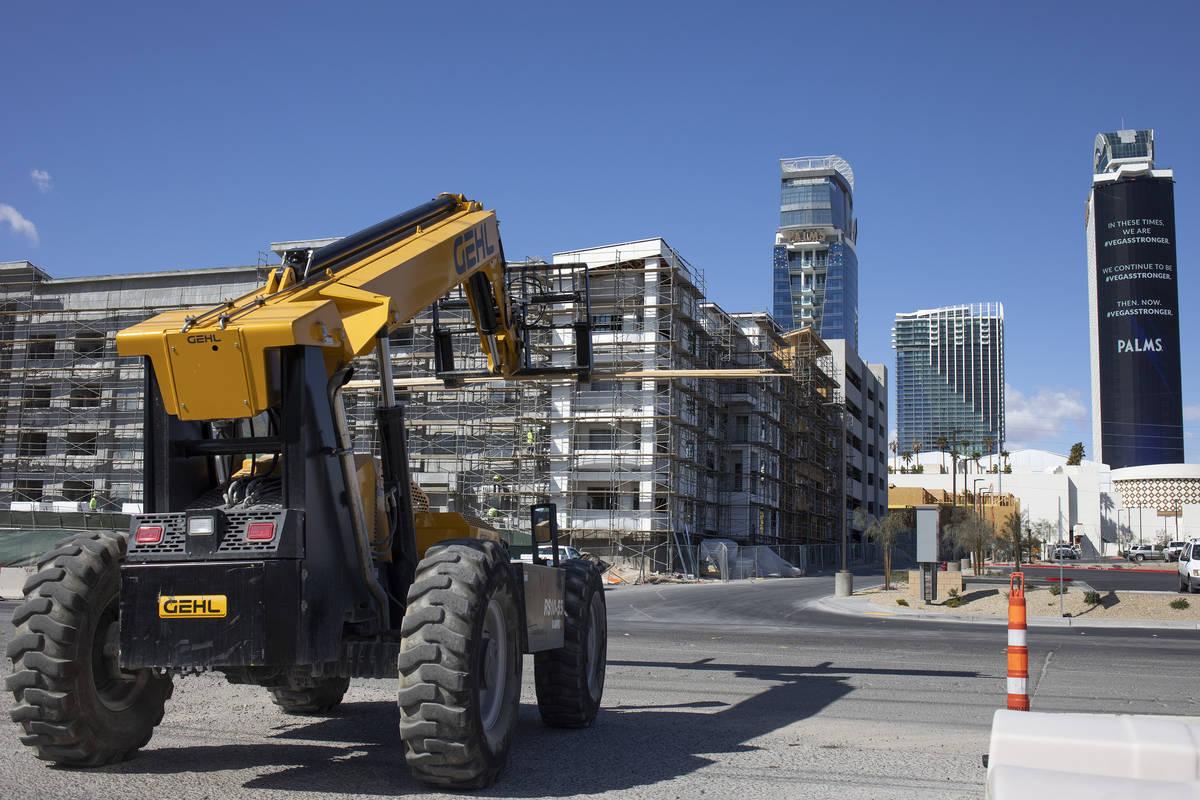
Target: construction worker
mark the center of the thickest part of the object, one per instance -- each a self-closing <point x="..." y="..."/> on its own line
<point x="94" y="502"/>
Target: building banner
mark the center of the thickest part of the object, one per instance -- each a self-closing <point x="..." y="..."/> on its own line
<point x="1137" y="312"/>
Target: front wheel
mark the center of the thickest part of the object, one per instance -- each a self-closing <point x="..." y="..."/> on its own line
<point x="315" y="696"/>
<point x="1139" y="558"/>
<point x="570" y="680"/>
<point x="75" y="703"/>
<point x="460" y="665"/>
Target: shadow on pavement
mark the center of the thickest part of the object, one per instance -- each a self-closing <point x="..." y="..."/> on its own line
<point x="358" y="751"/>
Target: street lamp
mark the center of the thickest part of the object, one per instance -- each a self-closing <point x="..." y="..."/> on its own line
<point x="975" y="491"/>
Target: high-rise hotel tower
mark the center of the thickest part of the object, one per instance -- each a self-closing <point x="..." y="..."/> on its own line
<point x="950" y="376"/>
<point x="1133" y="305"/>
<point x="815" y="268"/>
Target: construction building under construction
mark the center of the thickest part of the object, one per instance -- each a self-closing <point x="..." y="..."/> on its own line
<point x="693" y="423"/>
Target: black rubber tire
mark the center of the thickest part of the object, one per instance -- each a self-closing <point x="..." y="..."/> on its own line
<point x="71" y="707"/>
<point x="1139" y="558"/>
<point x="316" y="696"/>
<point x="1183" y="587"/>
<point x="461" y="624"/>
<point x="1191" y="589"/>
<point x="570" y="680"/>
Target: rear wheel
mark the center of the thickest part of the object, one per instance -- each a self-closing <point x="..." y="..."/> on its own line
<point x="460" y="665"/>
<point x="1139" y="557"/>
<point x="310" y="695"/>
<point x="76" y="705"/>
<point x="570" y="680"/>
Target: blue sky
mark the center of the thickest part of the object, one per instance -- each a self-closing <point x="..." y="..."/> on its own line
<point x="141" y="137"/>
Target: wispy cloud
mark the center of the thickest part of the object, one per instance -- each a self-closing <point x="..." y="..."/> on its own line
<point x="1040" y="418"/>
<point x="1191" y="413"/>
<point x="18" y="223"/>
<point x="42" y="180"/>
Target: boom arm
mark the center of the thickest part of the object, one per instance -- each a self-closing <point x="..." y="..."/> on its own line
<point x="218" y="364"/>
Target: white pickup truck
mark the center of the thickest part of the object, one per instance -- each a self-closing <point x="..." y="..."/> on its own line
<point x="565" y="551"/>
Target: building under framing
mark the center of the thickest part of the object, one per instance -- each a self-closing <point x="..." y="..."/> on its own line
<point x="694" y="423"/>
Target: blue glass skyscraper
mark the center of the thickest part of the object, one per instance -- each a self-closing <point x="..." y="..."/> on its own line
<point x="815" y="266"/>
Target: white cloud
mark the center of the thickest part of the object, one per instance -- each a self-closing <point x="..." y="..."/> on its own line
<point x="1191" y="413"/>
<point x="42" y="180"/>
<point x="19" y="224"/>
<point x="1044" y="417"/>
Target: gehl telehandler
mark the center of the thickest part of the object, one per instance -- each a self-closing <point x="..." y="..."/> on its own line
<point x="269" y="551"/>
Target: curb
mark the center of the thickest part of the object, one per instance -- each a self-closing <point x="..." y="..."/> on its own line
<point x="860" y="606"/>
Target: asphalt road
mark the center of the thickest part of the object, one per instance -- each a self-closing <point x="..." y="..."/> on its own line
<point x="725" y="690"/>
<point x="1109" y="579"/>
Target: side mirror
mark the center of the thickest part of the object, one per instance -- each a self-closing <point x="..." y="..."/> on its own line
<point x="544" y="519"/>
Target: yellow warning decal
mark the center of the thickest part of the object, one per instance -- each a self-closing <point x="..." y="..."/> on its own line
<point x="192" y="605"/>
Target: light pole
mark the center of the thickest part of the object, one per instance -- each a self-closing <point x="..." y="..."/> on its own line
<point x="975" y="492"/>
<point x="844" y="579"/>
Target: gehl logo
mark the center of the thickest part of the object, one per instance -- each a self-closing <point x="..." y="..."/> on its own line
<point x="201" y="338"/>
<point x="192" y="605"/>
<point x="472" y="247"/>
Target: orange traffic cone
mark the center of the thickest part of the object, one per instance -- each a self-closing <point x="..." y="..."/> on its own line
<point x="1018" y="652"/>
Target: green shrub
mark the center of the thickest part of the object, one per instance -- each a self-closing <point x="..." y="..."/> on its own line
<point x="1057" y="590"/>
<point x="953" y="600"/>
<point x="900" y="601"/>
<point x="1180" y="604"/>
<point x="899" y="576"/>
<point x="1092" y="598"/>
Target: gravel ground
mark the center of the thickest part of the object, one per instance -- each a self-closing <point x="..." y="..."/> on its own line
<point x="1041" y="603"/>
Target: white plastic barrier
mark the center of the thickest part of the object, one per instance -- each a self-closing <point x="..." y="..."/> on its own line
<point x="1093" y="756"/>
<point x="12" y="581"/>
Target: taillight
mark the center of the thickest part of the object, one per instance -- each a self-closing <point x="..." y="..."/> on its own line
<point x="148" y="534"/>
<point x="260" y="531"/>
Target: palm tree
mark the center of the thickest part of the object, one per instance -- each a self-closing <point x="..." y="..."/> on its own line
<point x="942" y="444"/>
<point x="988" y="443"/>
<point x="1003" y="458"/>
<point x="916" y="451"/>
<point x="976" y="456"/>
<point x="907" y="457"/>
<point x="895" y="446"/>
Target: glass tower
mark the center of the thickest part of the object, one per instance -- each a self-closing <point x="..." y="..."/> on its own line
<point x="950" y="376"/>
<point x="815" y="266"/>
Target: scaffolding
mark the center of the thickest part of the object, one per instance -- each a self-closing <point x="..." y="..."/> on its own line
<point x="694" y="423"/>
<point x="72" y="409"/>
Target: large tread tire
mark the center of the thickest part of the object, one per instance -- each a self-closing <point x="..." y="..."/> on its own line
<point x="72" y="706"/>
<point x="312" y="696"/>
<point x="570" y="680"/>
<point x="460" y="665"/>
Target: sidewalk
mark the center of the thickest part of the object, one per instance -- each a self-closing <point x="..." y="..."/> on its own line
<point x="861" y="606"/>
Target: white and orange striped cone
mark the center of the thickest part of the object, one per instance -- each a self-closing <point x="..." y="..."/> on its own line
<point x="1018" y="652"/>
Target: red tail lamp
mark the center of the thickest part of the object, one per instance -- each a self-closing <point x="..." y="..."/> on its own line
<point x="260" y="531"/>
<point x="148" y="534"/>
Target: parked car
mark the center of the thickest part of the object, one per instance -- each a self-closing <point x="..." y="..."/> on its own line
<point x="546" y="552"/>
<point x="1189" y="566"/>
<point x="1173" y="549"/>
<point x="1064" y="551"/>
<point x="1141" y="552"/>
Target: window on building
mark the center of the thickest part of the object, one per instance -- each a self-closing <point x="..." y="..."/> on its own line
<point x="737" y="476"/>
<point x="81" y="444"/>
<point x="606" y="322"/>
<point x="89" y="343"/>
<point x="601" y="498"/>
<point x="77" y="491"/>
<point x="41" y="347"/>
<point x="599" y="438"/>
<point x="35" y="396"/>
<point x="85" y="396"/>
<point x="27" y="489"/>
<point x="31" y="443"/>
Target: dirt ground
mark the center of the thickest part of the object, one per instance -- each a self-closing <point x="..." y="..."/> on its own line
<point x="1041" y="603"/>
